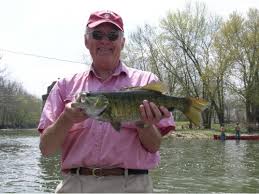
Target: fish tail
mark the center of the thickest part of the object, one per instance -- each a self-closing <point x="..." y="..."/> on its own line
<point x="197" y="105"/>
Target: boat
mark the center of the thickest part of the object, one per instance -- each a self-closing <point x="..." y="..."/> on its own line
<point x="242" y="137"/>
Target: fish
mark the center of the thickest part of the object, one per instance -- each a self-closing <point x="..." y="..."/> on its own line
<point x="121" y="106"/>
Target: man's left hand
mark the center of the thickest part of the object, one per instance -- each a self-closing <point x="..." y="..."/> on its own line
<point x="151" y="113"/>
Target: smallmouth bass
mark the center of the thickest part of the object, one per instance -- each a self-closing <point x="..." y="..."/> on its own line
<point x="123" y="106"/>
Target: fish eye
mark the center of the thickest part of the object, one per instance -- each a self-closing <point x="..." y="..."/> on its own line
<point x="84" y="93"/>
<point x="82" y="97"/>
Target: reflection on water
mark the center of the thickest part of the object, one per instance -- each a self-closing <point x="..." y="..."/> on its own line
<point x="186" y="165"/>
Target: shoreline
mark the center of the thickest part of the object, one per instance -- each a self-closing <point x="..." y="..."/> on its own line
<point x="192" y="134"/>
<point x="199" y="134"/>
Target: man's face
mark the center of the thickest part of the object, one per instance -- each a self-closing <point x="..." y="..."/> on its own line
<point x="104" y="50"/>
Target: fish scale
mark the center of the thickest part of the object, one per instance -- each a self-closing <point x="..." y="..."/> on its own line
<point x="124" y="106"/>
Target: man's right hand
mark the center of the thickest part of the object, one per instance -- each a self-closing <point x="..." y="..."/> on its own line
<point x="53" y="136"/>
<point x="73" y="114"/>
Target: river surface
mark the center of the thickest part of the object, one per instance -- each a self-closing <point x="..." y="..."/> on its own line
<point x="186" y="165"/>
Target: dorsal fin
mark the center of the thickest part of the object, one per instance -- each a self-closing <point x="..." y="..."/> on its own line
<point x="154" y="86"/>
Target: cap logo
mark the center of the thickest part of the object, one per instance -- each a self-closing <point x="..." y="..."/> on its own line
<point x="107" y="15"/>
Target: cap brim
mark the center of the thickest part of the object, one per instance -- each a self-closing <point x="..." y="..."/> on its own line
<point x="97" y="23"/>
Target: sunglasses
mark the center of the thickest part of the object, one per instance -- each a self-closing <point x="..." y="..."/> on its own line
<point x="111" y="36"/>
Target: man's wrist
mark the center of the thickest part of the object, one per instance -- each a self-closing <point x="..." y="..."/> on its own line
<point x="146" y="128"/>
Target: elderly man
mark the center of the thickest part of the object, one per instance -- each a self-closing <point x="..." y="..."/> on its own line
<point x="95" y="157"/>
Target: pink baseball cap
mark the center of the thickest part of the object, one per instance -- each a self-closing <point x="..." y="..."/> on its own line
<point x="100" y="17"/>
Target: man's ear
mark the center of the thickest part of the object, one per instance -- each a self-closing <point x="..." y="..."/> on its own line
<point x="86" y="41"/>
<point x="122" y="43"/>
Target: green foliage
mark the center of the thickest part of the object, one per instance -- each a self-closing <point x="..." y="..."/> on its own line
<point x="18" y="109"/>
<point x="239" y="36"/>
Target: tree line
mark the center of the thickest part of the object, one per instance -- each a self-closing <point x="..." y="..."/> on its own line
<point x="18" y="109"/>
<point x="203" y="55"/>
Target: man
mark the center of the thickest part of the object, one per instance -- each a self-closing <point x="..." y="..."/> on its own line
<point x="237" y="129"/>
<point x="95" y="157"/>
<point x="222" y="135"/>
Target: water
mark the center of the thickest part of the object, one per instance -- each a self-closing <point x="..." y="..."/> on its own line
<point x="186" y="165"/>
<point x="23" y="169"/>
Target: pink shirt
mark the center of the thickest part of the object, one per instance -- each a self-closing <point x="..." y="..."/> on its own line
<point x="93" y="143"/>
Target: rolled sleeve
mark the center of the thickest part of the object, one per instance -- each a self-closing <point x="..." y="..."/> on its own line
<point x="166" y="125"/>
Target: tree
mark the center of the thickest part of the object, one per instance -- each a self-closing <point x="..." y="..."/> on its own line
<point x="189" y="34"/>
<point x="241" y="40"/>
<point x="202" y="56"/>
<point x="18" y="109"/>
<point x="180" y="53"/>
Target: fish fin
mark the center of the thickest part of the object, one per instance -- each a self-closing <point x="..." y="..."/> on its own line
<point x="154" y="86"/>
<point x="116" y="125"/>
<point x="130" y="88"/>
<point x="197" y="105"/>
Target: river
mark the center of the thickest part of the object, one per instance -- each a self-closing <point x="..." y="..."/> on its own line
<point x="186" y="165"/>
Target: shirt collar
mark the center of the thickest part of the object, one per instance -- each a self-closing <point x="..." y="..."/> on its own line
<point x="120" y="69"/>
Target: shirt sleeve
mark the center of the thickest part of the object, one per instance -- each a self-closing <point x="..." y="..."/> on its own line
<point x="166" y="125"/>
<point x="53" y="107"/>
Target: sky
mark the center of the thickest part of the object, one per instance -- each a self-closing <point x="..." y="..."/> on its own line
<point x="42" y="40"/>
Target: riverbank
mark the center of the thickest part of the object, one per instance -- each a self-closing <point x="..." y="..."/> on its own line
<point x="183" y="131"/>
<point x="200" y="134"/>
<point x="193" y="134"/>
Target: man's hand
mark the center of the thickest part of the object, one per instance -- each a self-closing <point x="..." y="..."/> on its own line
<point x="149" y="134"/>
<point x="53" y="136"/>
<point x="75" y="115"/>
<point x="151" y="113"/>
